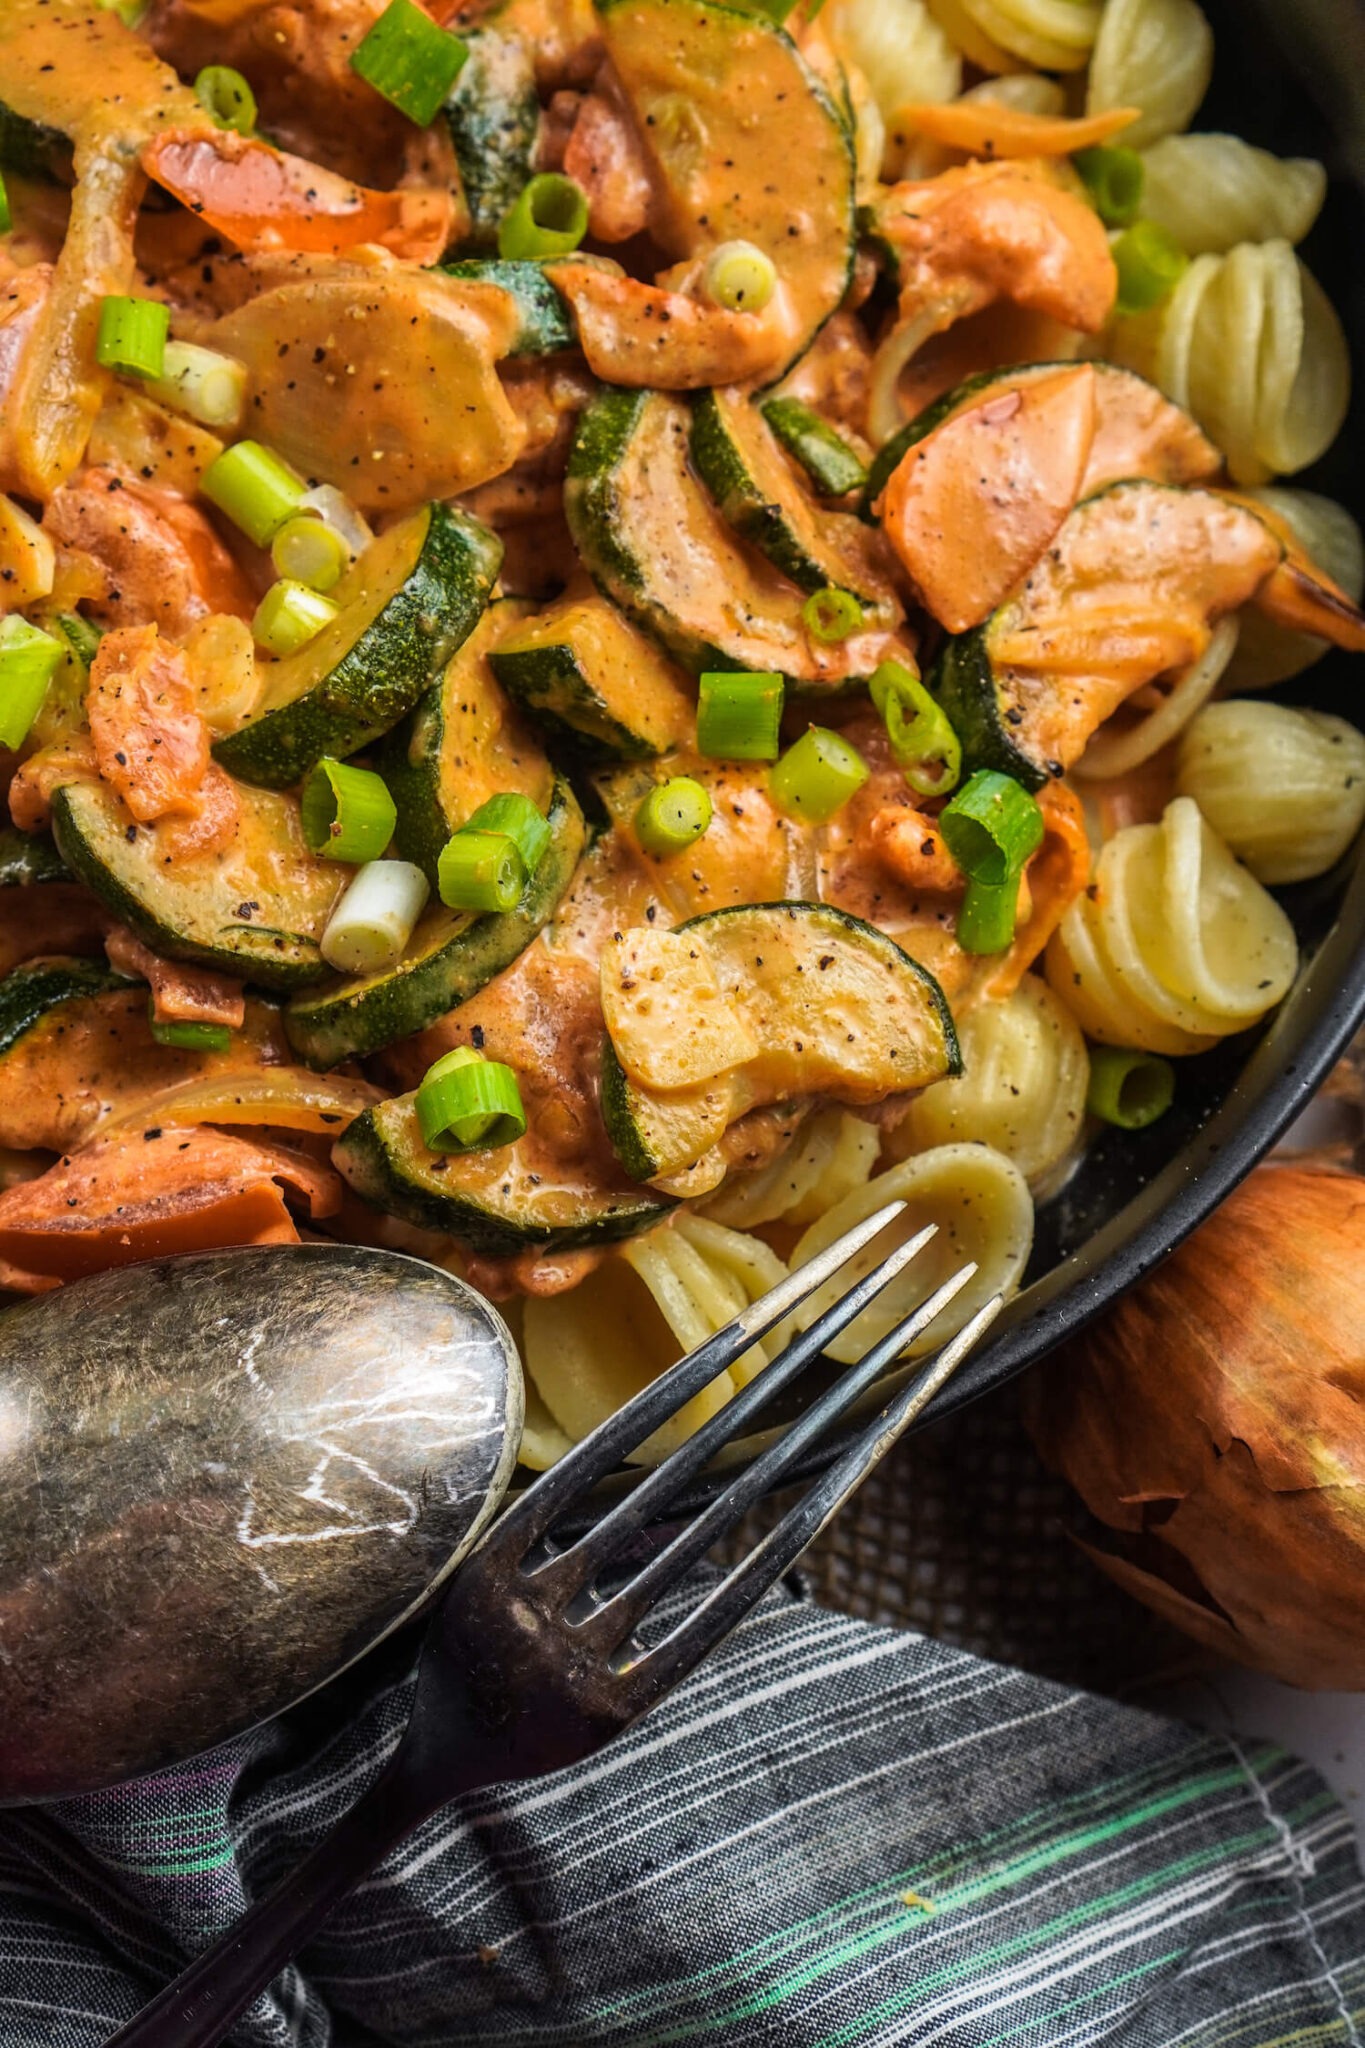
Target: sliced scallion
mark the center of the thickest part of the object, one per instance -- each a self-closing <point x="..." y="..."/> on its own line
<point x="369" y="930"/>
<point x="817" y="776"/>
<point x="740" y="276"/>
<point x="411" y="61"/>
<point x="926" y="748"/>
<point x="227" y="96"/>
<point x="289" y="615"/>
<point x="335" y="509"/>
<point x="480" y="871"/>
<point x="346" y="813"/>
<point x="1129" y="1088"/>
<point x="673" y="816"/>
<point x="29" y="659"/>
<point x="991" y="827"/>
<point x="208" y="385"/>
<point x="81" y="636"/>
<point x="132" y="335"/>
<point x="1150" y="263"/>
<point x="253" y="488"/>
<point x="188" y="1036"/>
<point x="830" y="615"/>
<point x="467" y="1103"/>
<point x="985" y="921"/>
<point x="739" y="715"/>
<point x="306" y="550"/>
<point x="519" y="820"/>
<point x="549" y="217"/>
<point x="1114" y="178"/>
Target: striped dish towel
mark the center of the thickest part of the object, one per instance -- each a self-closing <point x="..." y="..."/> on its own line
<point x="834" y="1834"/>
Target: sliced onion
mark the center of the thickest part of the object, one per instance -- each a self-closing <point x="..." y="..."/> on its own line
<point x="289" y="1098"/>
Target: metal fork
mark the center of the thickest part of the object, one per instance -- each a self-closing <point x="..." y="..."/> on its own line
<point x="527" y="1667"/>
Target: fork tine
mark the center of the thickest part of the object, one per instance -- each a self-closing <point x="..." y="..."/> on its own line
<point x="604" y="1448"/>
<point x="611" y="1620"/>
<point x="655" y="1671"/>
<point x="570" y="1568"/>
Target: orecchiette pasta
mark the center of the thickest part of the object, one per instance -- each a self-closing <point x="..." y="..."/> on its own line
<point x="1250" y="345"/>
<point x="1267" y="653"/>
<point x="981" y="1205"/>
<point x="1213" y="191"/>
<point x="1285" y="789"/>
<point x="1022" y="1086"/>
<point x="1175" y="945"/>
<point x="1151" y="718"/>
<point x="900" y="49"/>
<point x="1156" y="55"/>
<point x="588" y="1351"/>
<point x="1056" y="35"/>
<point x="834" y="1154"/>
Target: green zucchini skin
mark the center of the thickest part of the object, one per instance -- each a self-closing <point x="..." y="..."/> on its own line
<point x="451" y="956"/>
<point x="821" y="450"/>
<point x="382" y="1156"/>
<point x="29" y="857"/>
<point x="33" y="149"/>
<point x="621" y="1115"/>
<point x="28" y="992"/>
<point x="493" y="116"/>
<point x="387" y="665"/>
<point x="187" y="916"/>
<point x="596" y="687"/>
<point x="963" y="681"/>
<point x="544" y="324"/>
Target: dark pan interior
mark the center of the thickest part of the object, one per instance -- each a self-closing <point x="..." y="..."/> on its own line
<point x="1290" y="79"/>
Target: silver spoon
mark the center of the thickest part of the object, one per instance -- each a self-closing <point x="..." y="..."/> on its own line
<point x="223" y="1478"/>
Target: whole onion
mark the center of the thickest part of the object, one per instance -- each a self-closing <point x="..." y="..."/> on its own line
<point x="1214" y="1422"/>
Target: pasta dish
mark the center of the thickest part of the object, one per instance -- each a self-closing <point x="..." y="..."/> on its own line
<point x="627" y="631"/>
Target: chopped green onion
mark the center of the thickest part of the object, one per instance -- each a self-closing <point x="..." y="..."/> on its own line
<point x="739" y="715"/>
<point x="830" y="615"/>
<point x="368" y="932"/>
<point x="289" y="615"/>
<point x="1150" y="264"/>
<point x="187" y="1035"/>
<point x="253" y="488"/>
<point x="549" y="217"/>
<point x="521" y="821"/>
<point x="306" y="550"/>
<point x="991" y="827"/>
<point x="817" y="776"/>
<point x="335" y="509"/>
<point x="129" y="12"/>
<point x="209" y="386"/>
<point x="1114" y="179"/>
<point x="740" y="276"/>
<point x="29" y="659"/>
<point x="672" y="816"/>
<point x="923" y="742"/>
<point x="823" y="453"/>
<point x="347" y="813"/>
<point x="227" y="96"/>
<point x="132" y="335"/>
<point x="776" y="10"/>
<point x="1129" y="1088"/>
<point x="480" y="871"/>
<point x="81" y="636"/>
<point x="467" y="1103"/>
<point x="411" y="61"/>
<point x="985" y="923"/>
<point x="6" y="221"/>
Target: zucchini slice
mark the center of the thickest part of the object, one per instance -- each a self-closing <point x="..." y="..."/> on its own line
<point x="463" y="743"/>
<point x="452" y="954"/>
<point x="33" y="149"/>
<point x="740" y="461"/>
<point x="1125" y="593"/>
<point x="29" y="857"/>
<point x="654" y="543"/>
<point x="256" y="910"/>
<point x="824" y="454"/>
<point x="515" y="1199"/>
<point x="1138" y="431"/>
<point x="544" y="324"/>
<point x="493" y="116"/>
<point x="406" y="605"/>
<point x="697" y="74"/>
<point x="594" y="682"/>
<point x="832" y="1008"/>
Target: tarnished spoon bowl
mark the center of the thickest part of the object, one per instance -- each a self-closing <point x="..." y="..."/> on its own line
<point x="222" y="1479"/>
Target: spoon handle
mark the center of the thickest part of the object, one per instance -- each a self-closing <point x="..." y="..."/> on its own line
<point x="197" y="2010"/>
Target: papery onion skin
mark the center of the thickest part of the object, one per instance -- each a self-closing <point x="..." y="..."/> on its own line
<point x="1215" y="1420"/>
